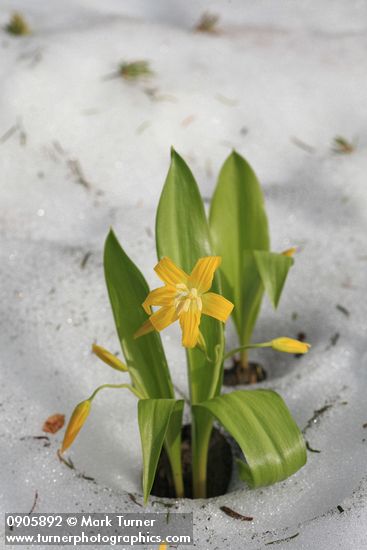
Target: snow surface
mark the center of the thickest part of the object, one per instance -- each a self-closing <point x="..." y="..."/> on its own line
<point x="276" y="71"/>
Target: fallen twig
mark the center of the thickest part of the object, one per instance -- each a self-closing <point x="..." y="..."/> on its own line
<point x="133" y="499"/>
<point x="44" y="438"/>
<point x="282" y="540"/>
<point x="77" y="171"/>
<point x="316" y="414"/>
<point x="302" y="145"/>
<point x="235" y="515"/>
<point x="8" y="133"/>
<point x="311" y="449"/>
<point x="69" y="463"/>
<point x="343" y="310"/>
<point x="34" y="503"/>
<point x="85" y="259"/>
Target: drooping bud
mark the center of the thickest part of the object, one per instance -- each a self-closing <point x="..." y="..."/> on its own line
<point x="76" y="423"/>
<point x="109" y="358"/>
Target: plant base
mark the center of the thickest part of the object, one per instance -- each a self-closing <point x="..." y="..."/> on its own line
<point x="218" y="473"/>
<point x="239" y="375"/>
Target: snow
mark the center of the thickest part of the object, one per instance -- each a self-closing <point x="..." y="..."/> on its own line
<point x="274" y="72"/>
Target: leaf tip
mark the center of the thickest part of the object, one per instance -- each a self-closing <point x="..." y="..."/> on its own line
<point x="110" y="235"/>
<point x="176" y="157"/>
<point x="174" y="154"/>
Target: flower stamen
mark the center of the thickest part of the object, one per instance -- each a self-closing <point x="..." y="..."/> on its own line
<point x="187" y="299"/>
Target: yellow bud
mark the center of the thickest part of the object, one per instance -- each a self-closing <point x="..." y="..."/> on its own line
<point x="290" y="251"/>
<point x="289" y="345"/>
<point x="76" y="422"/>
<point x="162" y="547"/>
<point x="109" y="358"/>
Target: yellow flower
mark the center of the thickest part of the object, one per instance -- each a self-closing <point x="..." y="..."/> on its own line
<point x="185" y="298"/>
<point x="76" y="422"/>
<point x="289" y="345"/>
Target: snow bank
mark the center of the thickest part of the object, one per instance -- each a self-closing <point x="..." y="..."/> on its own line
<point x="80" y="151"/>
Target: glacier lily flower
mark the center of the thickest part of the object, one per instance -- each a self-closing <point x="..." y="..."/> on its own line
<point x="185" y="298"/>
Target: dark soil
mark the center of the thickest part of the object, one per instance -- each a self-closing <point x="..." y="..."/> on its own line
<point x="218" y="473"/>
<point x="237" y="375"/>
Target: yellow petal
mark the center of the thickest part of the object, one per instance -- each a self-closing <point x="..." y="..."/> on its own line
<point x="163" y="317"/>
<point x="145" y="328"/>
<point x="202" y="275"/>
<point x="290" y="251"/>
<point x="216" y="306"/>
<point x="76" y="422"/>
<point x="289" y="345"/>
<point x="108" y="358"/>
<point x="163" y="296"/>
<point x="170" y="273"/>
<point x="190" y="321"/>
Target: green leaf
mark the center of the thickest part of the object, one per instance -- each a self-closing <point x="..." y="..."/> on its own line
<point x="181" y="225"/>
<point x="273" y="269"/>
<point x="154" y="417"/>
<point x="127" y="290"/>
<point x="239" y="225"/>
<point x="262" y="425"/>
<point x="251" y="298"/>
<point x="182" y="234"/>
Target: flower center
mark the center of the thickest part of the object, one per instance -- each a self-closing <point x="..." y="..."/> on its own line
<point x="186" y="299"/>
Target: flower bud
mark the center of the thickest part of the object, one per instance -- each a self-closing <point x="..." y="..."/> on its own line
<point x="76" y="422"/>
<point x="109" y="358"/>
<point x="289" y="345"/>
<point x="290" y="251"/>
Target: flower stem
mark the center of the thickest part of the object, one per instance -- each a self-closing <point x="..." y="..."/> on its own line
<point x="243" y="350"/>
<point x="201" y="429"/>
<point x="244" y="359"/>
<point x="117" y="386"/>
<point x="174" y="455"/>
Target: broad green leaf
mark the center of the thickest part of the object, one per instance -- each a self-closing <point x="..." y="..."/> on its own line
<point x="154" y="418"/>
<point x="182" y="234"/>
<point x="127" y="290"/>
<point x="262" y="425"/>
<point x="238" y="224"/>
<point x="181" y="224"/>
<point x="273" y="269"/>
